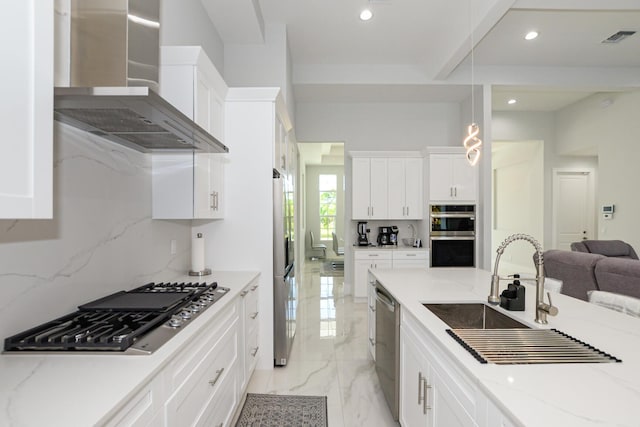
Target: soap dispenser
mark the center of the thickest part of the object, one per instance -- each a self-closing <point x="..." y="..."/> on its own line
<point x="512" y="298"/>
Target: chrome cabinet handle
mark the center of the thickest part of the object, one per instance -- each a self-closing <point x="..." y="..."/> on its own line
<point x="411" y="254"/>
<point x="372" y="341"/>
<point x="254" y="352"/>
<point x="215" y="380"/>
<point x="254" y="287"/>
<point x="254" y="315"/>
<point x="420" y="389"/>
<point x="455" y="191"/>
<point x="407" y="210"/>
<point x="372" y="308"/>
<point x="373" y="255"/>
<point x="244" y="293"/>
<point x="451" y="191"/>
<point x="211" y="201"/>
<point x="425" y="407"/>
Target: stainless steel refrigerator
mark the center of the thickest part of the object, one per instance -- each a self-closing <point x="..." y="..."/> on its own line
<point x="285" y="291"/>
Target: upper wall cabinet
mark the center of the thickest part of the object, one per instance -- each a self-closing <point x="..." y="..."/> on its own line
<point x="386" y="185"/>
<point x="191" y="185"/>
<point x="451" y="178"/>
<point x="405" y="188"/>
<point x="369" y="186"/>
<point x="26" y="110"/>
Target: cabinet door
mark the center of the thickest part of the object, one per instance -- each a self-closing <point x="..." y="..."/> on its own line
<point x="413" y="374"/>
<point x="216" y="187"/>
<point x="446" y="410"/>
<point x="397" y="188"/>
<point x="371" y="310"/>
<point x="379" y="188"/>
<point x="464" y="178"/>
<point x="413" y="197"/>
<point x="360" y="188"/>
<point x="202" y="197"/>
<point x="26" y="153"/>
<point x="360" y="278"/>
<point x="440" y="177"/>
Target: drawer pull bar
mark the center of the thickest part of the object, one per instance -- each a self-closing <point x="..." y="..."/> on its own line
<point x="254" y="315"/>
<point x="420" y="389"/>
<point x="254" y="287"/>
<point x="372" y="341"/>
<point x="372" y="308"/>
<point x="425" y="407"/>
<point x="215" y="380"/>
<point x="254" y="352"/>
<point x="244" y="293"/>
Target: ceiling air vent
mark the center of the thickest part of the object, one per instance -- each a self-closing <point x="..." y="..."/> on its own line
<point x="618" y="37"/>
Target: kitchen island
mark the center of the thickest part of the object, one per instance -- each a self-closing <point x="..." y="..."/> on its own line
<point x="84" y="389"/>
<point x="509" y="395"/>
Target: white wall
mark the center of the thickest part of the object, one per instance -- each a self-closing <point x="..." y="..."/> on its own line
<point x="527" y="126"/>
<point x="243" y="241"/>
<point x="609" y="122"/>
<point x="101" y="238"/>
<point x="186" y="23"/>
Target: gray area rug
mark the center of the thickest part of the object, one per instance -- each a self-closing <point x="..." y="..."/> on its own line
<point x="266" y="410"/>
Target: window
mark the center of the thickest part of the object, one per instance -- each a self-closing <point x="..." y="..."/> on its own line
<point x="328" y="189"/>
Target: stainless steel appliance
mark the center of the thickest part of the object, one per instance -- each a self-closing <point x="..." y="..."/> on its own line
<point x="134" y="322"/>
<point x="285" y="291"/>
<point x="388" y="236"/>
<point x="452" y="237"/>
<point x="388" y="347"/>
<point x="363" y="234"/>
<point x="114" y="73"/>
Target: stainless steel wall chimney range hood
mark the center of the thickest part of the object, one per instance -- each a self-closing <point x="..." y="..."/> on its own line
<point x="114" y="73"/>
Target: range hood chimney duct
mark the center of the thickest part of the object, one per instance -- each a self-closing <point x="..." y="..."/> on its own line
<point x="114" y="62"/>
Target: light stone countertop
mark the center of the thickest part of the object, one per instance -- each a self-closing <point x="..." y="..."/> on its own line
<point x="568" y="395"/>
<point x="85" y="389"/>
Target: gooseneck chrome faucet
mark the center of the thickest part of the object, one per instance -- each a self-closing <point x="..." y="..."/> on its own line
<point x="542" y="308"/>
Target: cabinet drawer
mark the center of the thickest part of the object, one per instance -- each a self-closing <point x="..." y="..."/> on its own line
<point x="223" y="406"/>
<point x="373" y="255"/>
<point x="194" y="353"/>
<point x="195" y="394"/>
<point x="409" y="255"/>
<point x="141" y="408"/>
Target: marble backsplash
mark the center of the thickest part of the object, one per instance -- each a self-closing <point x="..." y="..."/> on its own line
<point x="101" y="240"/>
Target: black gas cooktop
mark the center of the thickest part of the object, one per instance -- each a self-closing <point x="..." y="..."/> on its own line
<point x="134" y="322"/>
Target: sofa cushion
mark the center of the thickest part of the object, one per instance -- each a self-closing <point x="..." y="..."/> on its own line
<point x="575" y="269"/>
<point x="610" y="248"/>
<point x="579" y="247"/>
<point x="619" y="275"/>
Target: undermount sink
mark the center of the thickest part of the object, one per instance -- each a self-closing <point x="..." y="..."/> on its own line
<point x="492" y="337"/>
<point x="473" y="316"/>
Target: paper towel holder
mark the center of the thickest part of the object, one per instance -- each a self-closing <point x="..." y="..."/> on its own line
<point x="205" y="271"/>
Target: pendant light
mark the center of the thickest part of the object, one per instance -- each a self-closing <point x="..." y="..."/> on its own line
<point x="471" y="142"/>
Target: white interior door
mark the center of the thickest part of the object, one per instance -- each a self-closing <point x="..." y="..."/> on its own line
<point x="573" y="207"/>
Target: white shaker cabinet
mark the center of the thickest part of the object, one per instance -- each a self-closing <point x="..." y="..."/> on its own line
<point x="26" y="110"/>
<point x="412" y="258"/>
<point x="369" y="188"/>
<point x="365" y="260"/>
<point x="371" y="315"/>
<point x="432" y="394"/>
<point x="250" y="327"/>
<point x="405" y="188"/>
<point x="191" y="185"/>
<point x="451" y="178"/>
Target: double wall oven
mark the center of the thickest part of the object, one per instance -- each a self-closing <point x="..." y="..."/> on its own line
<point x="452" y="236"/>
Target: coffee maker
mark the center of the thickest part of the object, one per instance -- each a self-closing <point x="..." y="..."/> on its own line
<point x="388" y="236"/>
<point x="363" y="239"/>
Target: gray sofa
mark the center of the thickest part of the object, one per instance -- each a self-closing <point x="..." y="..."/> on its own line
<point x="582" y="272"/>
<point x="610" y="248"/>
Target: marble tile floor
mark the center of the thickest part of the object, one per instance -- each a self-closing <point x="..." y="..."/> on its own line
<point x="329" y="355"/>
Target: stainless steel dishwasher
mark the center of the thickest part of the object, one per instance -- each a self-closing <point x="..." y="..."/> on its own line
<point x="388" y="347"/>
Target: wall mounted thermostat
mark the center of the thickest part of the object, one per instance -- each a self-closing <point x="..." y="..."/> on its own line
<point x="607" y="211"/>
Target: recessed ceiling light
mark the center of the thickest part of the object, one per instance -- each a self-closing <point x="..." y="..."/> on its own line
<point x="511" y="101"/>
<point x="531" y="35"/>
<point x="366" y="14"/>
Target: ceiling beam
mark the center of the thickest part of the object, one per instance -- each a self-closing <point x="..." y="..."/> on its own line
<point x="480" y="29"/>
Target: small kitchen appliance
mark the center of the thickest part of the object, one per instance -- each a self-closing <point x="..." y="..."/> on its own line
<point x="388" y="236"/>
<point x="363" y="239"/>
